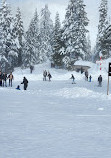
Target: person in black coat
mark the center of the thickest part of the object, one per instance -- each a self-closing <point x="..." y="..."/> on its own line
<point x="25" y="82"/>
<point x="100" y="80"/>
<point x="4" y="79"/>
<point x="73" y="78"/>
<point x="1" y="77"/>
<point x="49" y="76"/>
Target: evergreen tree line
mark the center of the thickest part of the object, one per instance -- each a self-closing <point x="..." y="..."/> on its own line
<point x="62" y="45"/>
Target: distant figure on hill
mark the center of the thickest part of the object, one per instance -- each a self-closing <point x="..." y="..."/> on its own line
<point x="44" y="75"/>
<point x="100" y="80"/>
<point x="49" y="76"/>
<point x="73" y="78"/>
<point x="0" y="78"/>
<point x="31" y="68"/>
<point x="90" y="77"/>
<point x="10" y="79"/>
<point x="86" y="75"/>
<point x="25" y="82"/>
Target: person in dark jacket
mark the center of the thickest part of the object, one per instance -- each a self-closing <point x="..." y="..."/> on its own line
<point x="100" y="80"/>
<point x="1" y="77"/>
<point x="4" y="79"/>
<point x="25" y="82"/>
<point x="31" y="68"/>
<point x="86" y="75"/>
<point x="90" y="77"/>
<point x="49" y="76"/>
<point x="73" y="78"/>
<point x="44" y="75"/>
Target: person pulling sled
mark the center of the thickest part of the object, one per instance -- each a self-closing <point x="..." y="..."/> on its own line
<point x="25" y="82"/>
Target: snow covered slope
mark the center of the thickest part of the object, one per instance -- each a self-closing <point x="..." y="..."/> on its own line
<point x="56" y="119"/>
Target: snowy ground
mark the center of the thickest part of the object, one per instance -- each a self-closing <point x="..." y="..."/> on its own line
<point x="55" y="119"/>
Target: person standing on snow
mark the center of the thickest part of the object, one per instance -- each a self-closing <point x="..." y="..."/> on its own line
<point x="10" y="79"/>
<point x="86" y="75"/>
<point x="49" y="75"/>
<point x="31" y="68"/>
<point x="25" y="82"/>
<point x="44" y="75"/>
<point x="100" y="80"/>
<point x="1" y="78"/>
<point x="90" y="78"/>
<point x="4" y="80"/>
<point x="73" y="78"/>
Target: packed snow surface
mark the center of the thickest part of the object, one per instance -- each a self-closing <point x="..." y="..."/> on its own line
<point x="56" y="119"/>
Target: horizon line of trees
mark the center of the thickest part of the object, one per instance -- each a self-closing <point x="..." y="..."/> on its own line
<point x="62" y="45"/>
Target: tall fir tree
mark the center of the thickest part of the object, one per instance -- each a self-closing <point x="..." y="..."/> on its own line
<point x="57" y="42"/>
<point x="46" y="35"/>
<point x="106" y="42"/>
<point x="74" y="32"/>
<point x="18" y="33"/>
<point x="8" y="43"/>
<point x="103" y="22"/>
<point x="32" y="45"/>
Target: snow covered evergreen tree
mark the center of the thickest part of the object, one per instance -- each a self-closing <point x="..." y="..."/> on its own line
<point x="57" y="42"/>
<point x="74" y="32"/>
<point x="8" y="43"/>
<point x="18" y="33"/>
<point x="103" y="22"/>
<point x="106" y="42"/>
<point x="46" y="35"/>
<point x="32" y="45"/>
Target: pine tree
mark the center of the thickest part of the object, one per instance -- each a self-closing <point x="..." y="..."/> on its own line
<point x="74" y="32"/>
<point x="31" y="48"/>
<point x="8" y="43"/>
<point x="18" y="33"/>
<point x="46" y="32"/>
<point x="106" y="42"/>
<point x="57" y="42"/>
<point x="103" y="22"/>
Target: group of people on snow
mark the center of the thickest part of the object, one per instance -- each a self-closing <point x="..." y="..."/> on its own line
<point x="46" y="74"/>
<point x="4" y="77"/>
<point x="86" y="78"/>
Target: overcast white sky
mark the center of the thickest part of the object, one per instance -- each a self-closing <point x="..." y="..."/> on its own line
<point x="28" y="7"/>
